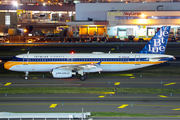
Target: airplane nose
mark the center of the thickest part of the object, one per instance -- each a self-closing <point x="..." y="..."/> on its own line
<point x="7" y="65"/>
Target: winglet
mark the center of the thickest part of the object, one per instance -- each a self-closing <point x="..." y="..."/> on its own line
<point x="157" y="45"/>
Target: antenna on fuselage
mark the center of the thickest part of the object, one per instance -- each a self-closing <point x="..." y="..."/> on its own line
<point x="109" y="51"/>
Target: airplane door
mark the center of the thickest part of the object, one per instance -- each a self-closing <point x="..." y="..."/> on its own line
<point x="25" y="60"/>
<point x="70" y="59"/>
<point x="137" y="59"/>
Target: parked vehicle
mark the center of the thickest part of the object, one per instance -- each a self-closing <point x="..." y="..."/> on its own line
<point x="6" y="41"/>
<point x="131" y="38"/>
<point x="1" y="39"/>
<point x="30" y="41"/>
<point x="104" y="39"/>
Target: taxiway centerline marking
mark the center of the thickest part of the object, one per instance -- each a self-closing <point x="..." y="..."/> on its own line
<point x="34" y="77"/>
<point x="117" y="83"/>
<point x="123" y="106"/>
<point x="170" y="84"/>
<point x="7" y="84"/>
<point x="176" y="109"/>
<point x="126" y="74"/>
<point x="101" y="96"/>
<point x="108" y="93"/>
<point x="112" y="49"/>
<point x="163" y="96"/>
<point x="52" y="106"/>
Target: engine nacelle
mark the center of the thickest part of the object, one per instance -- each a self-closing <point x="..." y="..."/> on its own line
<point x="62" y="73"/>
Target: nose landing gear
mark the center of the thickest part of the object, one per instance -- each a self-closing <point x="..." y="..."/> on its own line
<point x="26" y="75"/>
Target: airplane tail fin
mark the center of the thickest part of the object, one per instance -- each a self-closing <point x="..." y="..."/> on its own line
<point x="157" y="44"/>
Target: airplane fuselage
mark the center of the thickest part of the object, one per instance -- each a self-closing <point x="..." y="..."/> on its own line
<point x="109" y="62"/>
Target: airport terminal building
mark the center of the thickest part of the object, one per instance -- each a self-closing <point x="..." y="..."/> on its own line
<point x="118" y="20"/>
<point x="125" y="19"/>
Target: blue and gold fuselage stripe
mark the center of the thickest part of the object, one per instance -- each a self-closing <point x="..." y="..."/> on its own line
<point x="83" y="59"/>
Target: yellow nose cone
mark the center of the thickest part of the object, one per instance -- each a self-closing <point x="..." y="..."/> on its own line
<point x="7" y="65"/>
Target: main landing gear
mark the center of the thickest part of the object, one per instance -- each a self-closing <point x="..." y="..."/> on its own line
<point x="26" y="75"/>
<point x="83" y="77"/>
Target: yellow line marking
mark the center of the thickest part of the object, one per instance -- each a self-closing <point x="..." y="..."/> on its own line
<point x="170" y="84"/>
<point x="123" y="106"/>
<point x="112" y="49"/>
<point x="117" y="83"/>
<point x="34" y="77"/>
<point x="53" y="106"/>
<point x="132" y="77"/>
<point x="126" y="74"/>
<point x="101" y="96"/>
<point x="108" y="93"/>
<point x="163" y="96"/>
<point x="23" y="49"/>
<point x="7" y="84"/>
<point x="176" y="109"/>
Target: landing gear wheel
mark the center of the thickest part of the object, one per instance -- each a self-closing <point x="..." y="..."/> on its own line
<point x="85" y="75"/>
<point x="82" y="78"/>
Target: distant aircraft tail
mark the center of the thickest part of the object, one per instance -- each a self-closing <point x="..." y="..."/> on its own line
<point x="157" y="45"/>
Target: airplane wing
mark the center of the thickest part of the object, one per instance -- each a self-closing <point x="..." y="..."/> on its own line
<point x="90" y="67"/>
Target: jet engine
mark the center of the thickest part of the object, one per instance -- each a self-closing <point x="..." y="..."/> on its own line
<point x="62" y="73"/>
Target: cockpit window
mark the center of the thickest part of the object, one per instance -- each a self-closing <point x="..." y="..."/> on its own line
<point x="14" y="59"/>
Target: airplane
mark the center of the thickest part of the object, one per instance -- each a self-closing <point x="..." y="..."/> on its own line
<point x="65" y="65"/>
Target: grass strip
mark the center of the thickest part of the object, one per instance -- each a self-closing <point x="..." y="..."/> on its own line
<point x="55" y="90"/>
<point x="48" y="90"/>
<point x="148" y="90"/>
